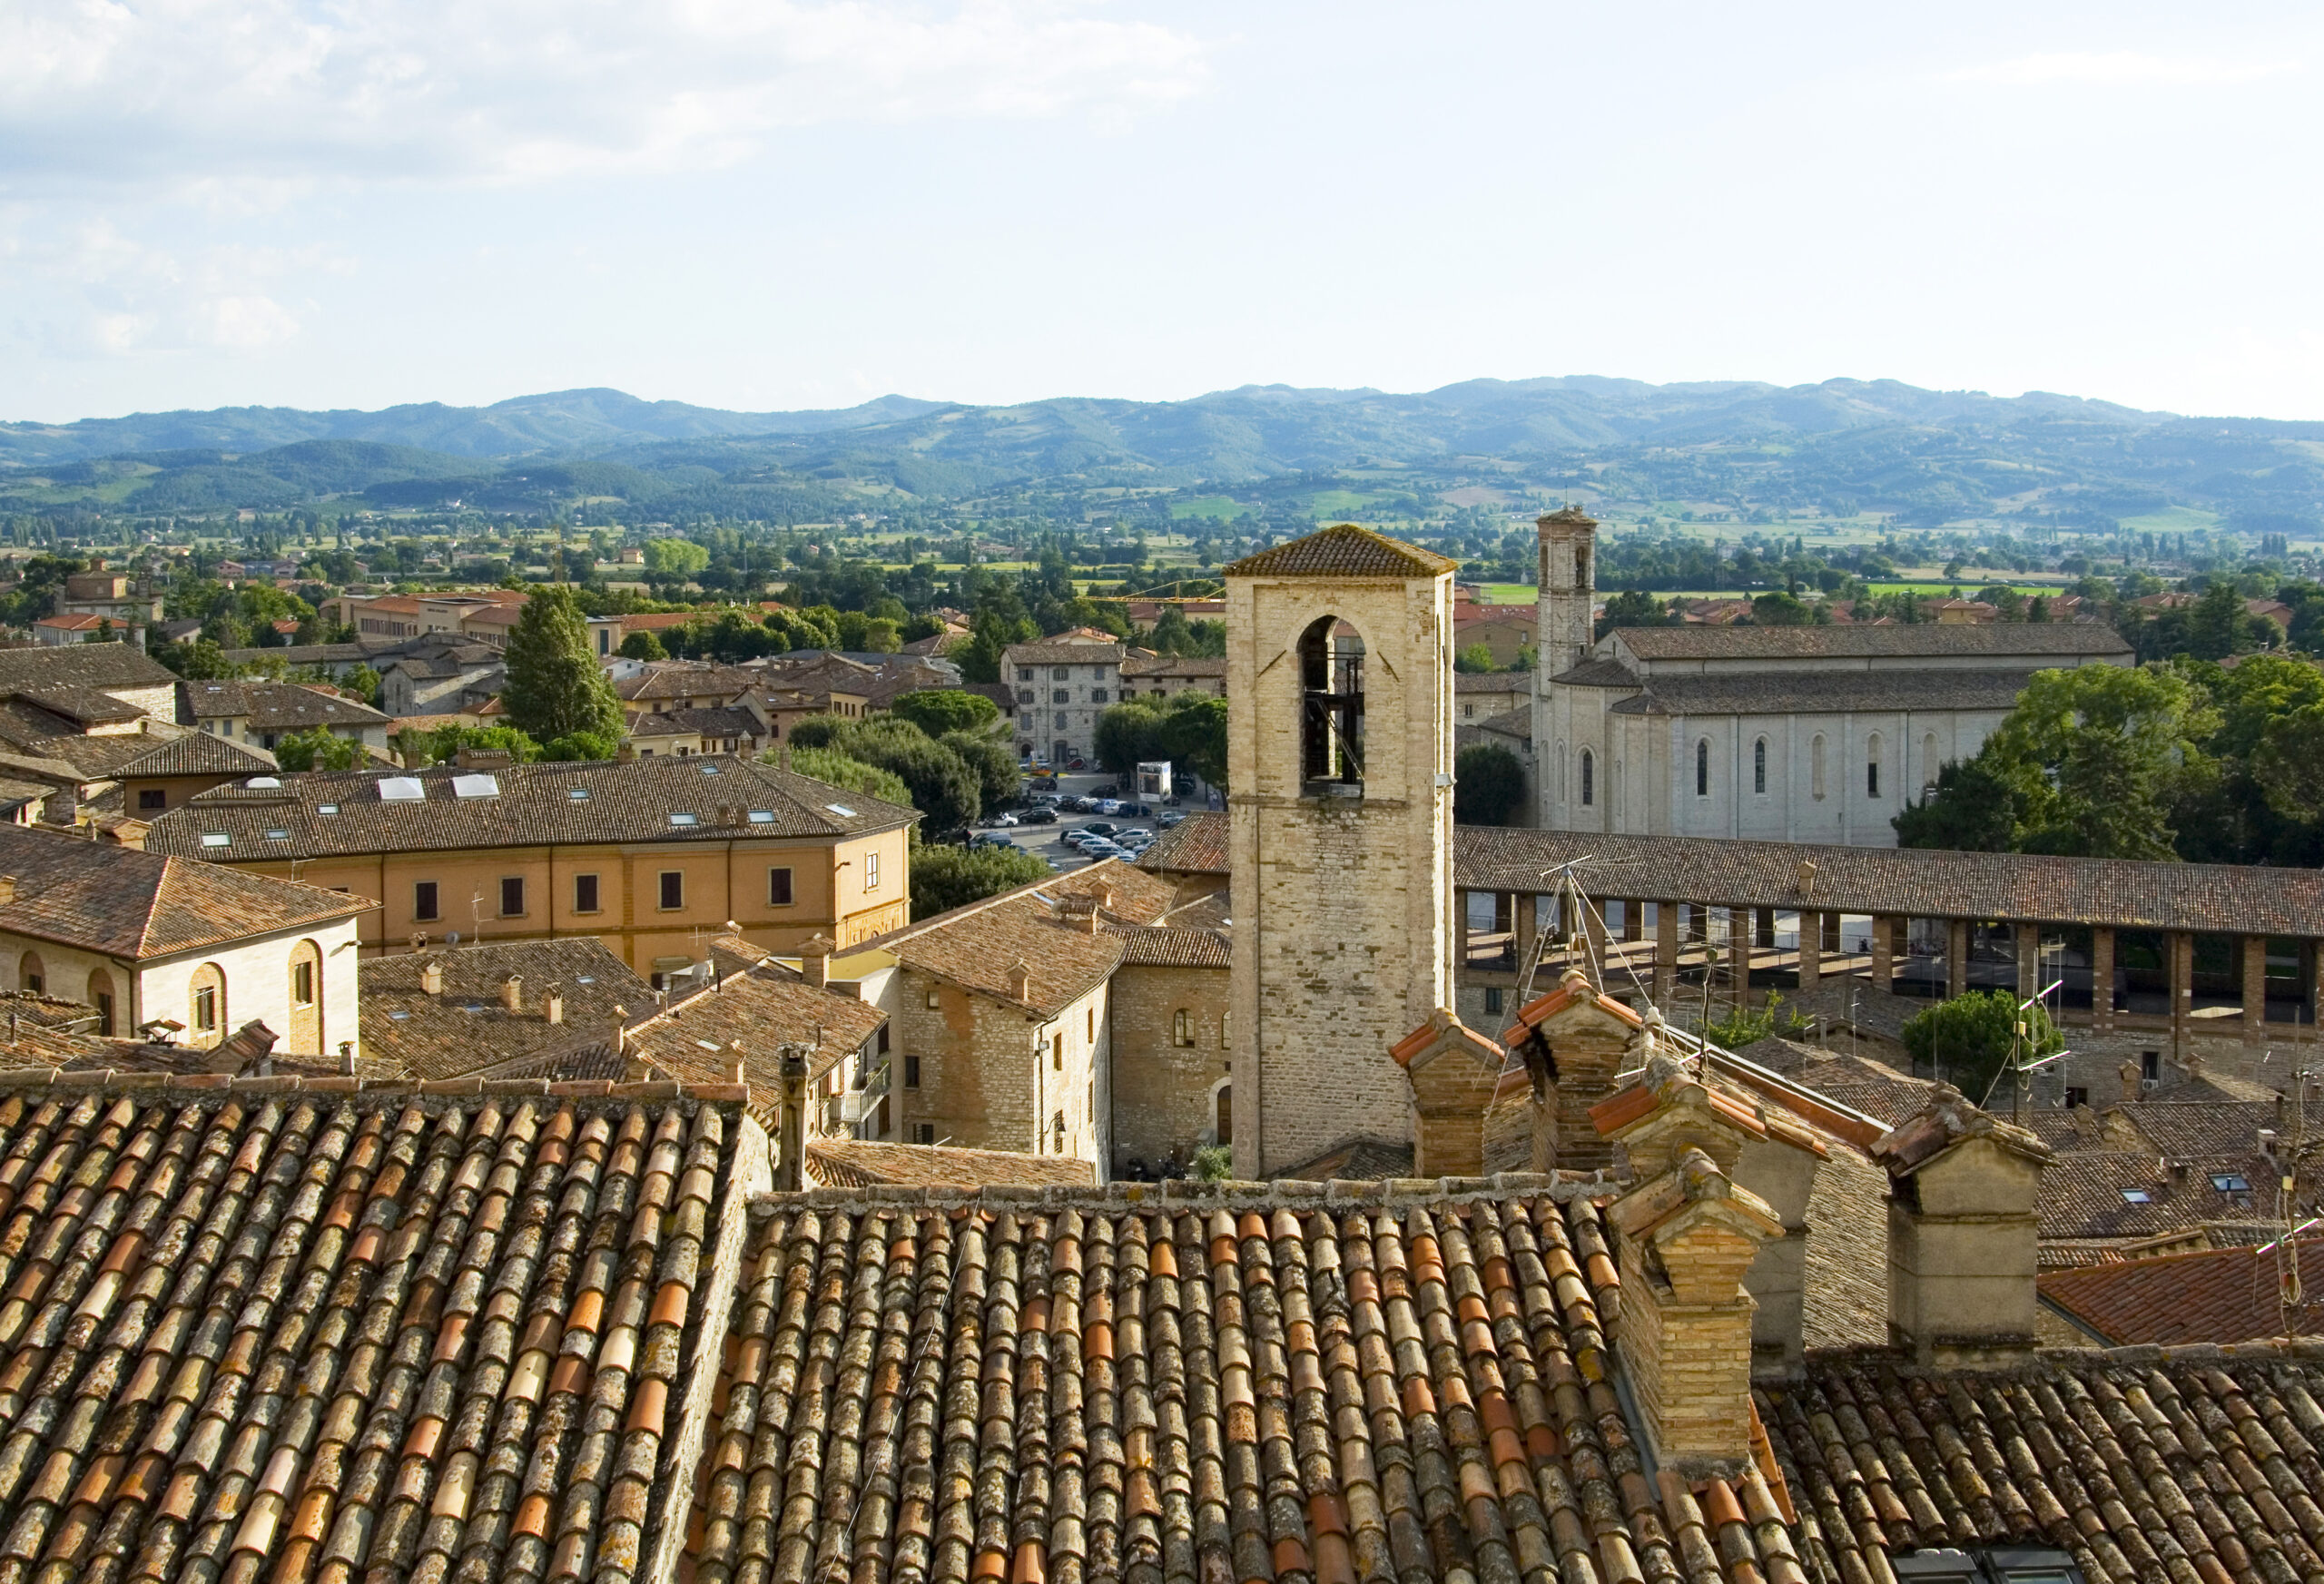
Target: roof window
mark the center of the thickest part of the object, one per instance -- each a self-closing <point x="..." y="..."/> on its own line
<point x="2231" y="1181"/>
<point x="262" y="781"/>
<point x="579" y="794"/>
<point x="707" y="1044"/>
<point x="761" y="816"/>
<point x="325" y="808"/>
<point x="841" y="809"/>
<point x="475" y="786"/>
<point x="685" y="819"/>
<point x="709" y="770"/>
<point x="278" y="835"/>
<point x="216" y="839"/>
<point x="2137" y="1197"/>
<point x="398" y="1016"/>
<point x="586" y="979"/>
<point x="401" y="789"/>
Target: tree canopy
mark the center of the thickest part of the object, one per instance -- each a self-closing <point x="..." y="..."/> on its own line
<point x="317" y="749"/>
<point x="1966" y="1040"/>
<point x="944" y="877"/>
<point x="938" y="710"/>
<point x="555" y="685"/>
<point x="1488" y="785"/>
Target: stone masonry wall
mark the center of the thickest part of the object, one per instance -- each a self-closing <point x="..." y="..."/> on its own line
<point x="1343" y="932"/>
<point x="983" y="1085"/>
<point x="1163" y="1104"/>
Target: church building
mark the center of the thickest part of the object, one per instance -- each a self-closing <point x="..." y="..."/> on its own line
<point x="1815" y="733"/>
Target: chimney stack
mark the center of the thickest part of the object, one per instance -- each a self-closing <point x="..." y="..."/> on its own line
<point x="2129" y="1073"/>
<point x="736" y="1071"/>
<point x="816" y="960"/>
<point x="619" y="1038"/>
<point x="554" y="1009"/>
<point x="7" y="890"/>
<point x="512" y="992"/>
<point x="1806" y="877"/>
<point x="346" y="1058"/>
<point x="1020" y="980"/>
<point x="431" y="976"/>
<point x="1455" y="1074"/>
<point x="792" y="1145"/>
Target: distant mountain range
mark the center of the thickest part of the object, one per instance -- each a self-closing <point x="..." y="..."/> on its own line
<point x="1877" y="445"/>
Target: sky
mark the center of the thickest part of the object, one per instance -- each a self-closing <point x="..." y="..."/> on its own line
<point x="773" y="204"/>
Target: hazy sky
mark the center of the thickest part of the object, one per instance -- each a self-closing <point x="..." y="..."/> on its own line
<point x="783" y="203"/>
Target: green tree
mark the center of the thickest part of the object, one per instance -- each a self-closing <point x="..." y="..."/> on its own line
<point x="316" y="748"/>
<point x="442" y="745"/>
<point x="580" y="747"/>
<point x="1633" y="607"/>
<point x="363" y="682"/>
<point x="1474" y="659"/>
<point x="1194" y="736"/>
<point x="997" y="777"/>
<point x="675" y="558"/>
<point x="1127" y="734"/>
<point x="1488" y="785"/>
<point x="1974" y="809"/>
<point x="555" y="686"/>
<point x="938" y="710"/>
<point x="864" y="635"/>
<point x="945" y="877"/>
<point x="1746" y="1026"/>
<point x="1968" y="1040"/>
<point x="2097" y="756"/>
<point x="833" y="767"/>
<point x="1776" y="608"/>
<point x="642" y="645"/>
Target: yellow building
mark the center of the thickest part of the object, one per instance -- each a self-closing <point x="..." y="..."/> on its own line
<point x="653" y="856"/>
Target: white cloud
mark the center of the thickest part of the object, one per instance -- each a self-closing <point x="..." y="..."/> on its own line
<point x="94" y="292"/>
<point x="2121" y="68"/>
<point x="259" y="97"/>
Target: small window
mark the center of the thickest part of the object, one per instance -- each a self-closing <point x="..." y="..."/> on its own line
<point x="423" y="900"/>
<point x="2076" y="1096"/>
<point x="911" y="1072"/>
<point x="585" y="893"/>
<point x="1062" y="674"/>
<point x="1589" y="778"/>
<point x="673" y="889"/>
<point x="1702" y="767"/>
<point x="205" y="1010"/>
<point x="1816" y="766"/>
<point x="153" y="797"/>
<point x="1759" y="767"/>
<point x="1024" y="674"/>
<point x="761" y="816"/>
<point x="216" y="839"/>
<point x="325" y="808"/>
<point x="1493" y="1001"/>
<point x="778" y="888"/>
<point x="1871" y="766"/>
<point x="2231" y="1181"/>
<point x="1097" y="695"/>
<point x="685" y="819"/>
<point x="1057" y="1129"/>
<point x="935" y="997"/>
<point x="2137" y="1197"/>
<point x="1091" y="1015"/>
<point x="2150" y="1066"/>
<point x="278" y="835"/>
<point x="871" y="872"/>
<point x="923" y="1133"/>
<point x="1058" y="695"/>
<point x="512" y="896"/>
<point x="579" y="794"/>
<point x="303" y="984"/>
<point x="1056" y="1053"/>
<point x="1182" y="1027"/>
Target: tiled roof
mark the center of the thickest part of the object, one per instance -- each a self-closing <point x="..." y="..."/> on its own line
<point x="290" y="1329"/>
<point x="1598" y="674"/>
<point x="684" y="679"/>
<point x="1858" y="1082"/>
<point x="120" y="902"/>
<point x="2121" y="893"/>
<point x="198" y="753"/>
<point x="273" y="707"/>
<point x="1345" y="550"/>
<point x="1786" y="690"/>
<point x="1491" y="681"/>
<point x="1196" y="845"/>
<point x="466" y="1030"/>
<point x="1176" y="948"/>
<point x="87" y="706"/>
<point x="758" y="1010"/>
<point x="108" y="666"/>
<point x="1189" y="665"/>
<point x="1905" y="640"/>
<point x="1062" y="654"/>
<point x="2221" y="1296"/>
<point x="1195" y="1381"/>
<point x="627" y="800"/>
<point x="877" y="679"/>
<point x="2083" y="1193"/>
<point x="1356" y="1160"/>
<point x="2142" y="1464"/>
<point x="2209" y="1127"/>
<point x="976" y="946"/>
<point x="725" y="722"/>
<point x="859" y="1162"/>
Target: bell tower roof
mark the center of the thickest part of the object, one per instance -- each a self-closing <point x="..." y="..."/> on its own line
<point x="1345" y="550"/>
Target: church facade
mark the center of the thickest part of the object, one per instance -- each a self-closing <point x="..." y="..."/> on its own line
<point x="1818" y="733"/>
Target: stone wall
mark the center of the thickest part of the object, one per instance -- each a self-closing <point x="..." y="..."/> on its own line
<point x="1165" y="1093"/>
<point x="990" y="1075"/>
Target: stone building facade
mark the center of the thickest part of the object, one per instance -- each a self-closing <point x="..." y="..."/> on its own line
<point x="1062" y="686"/>
<point x="1340" y="748"/>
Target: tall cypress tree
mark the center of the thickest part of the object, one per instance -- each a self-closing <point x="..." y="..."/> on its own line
<point x="555" y="686"/>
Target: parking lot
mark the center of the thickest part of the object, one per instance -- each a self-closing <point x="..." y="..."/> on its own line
<point x="1046" y="840"/>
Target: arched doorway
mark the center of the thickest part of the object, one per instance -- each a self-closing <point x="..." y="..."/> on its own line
<point x="306" y="1031"/>
<point x="31" y="976"/>
<point x="100" y="995"/>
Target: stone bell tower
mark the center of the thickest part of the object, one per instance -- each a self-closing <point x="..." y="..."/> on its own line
<point x="1568" y="590"/>
<point x="1339" y="690"/>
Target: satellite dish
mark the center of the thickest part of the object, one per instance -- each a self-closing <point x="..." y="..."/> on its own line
<point x="453" y="938"/>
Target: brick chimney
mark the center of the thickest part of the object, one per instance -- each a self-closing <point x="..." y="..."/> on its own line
<point x="1081" y="913"/>
<point x="790" y="1141"/>
<point x="1962" y="1234"/>
<point x="1572" y="1042"/>
<point x="1453" y="1072"/>
<point x="431" y="976"/>
<point x="816" y="960"/>
<point x="554" y="1008"/>
<point x="1687" y="1235"/>
<point x="512" y="992"/>
<point x="7" y="890"/>
<point x="1020" y="980"/>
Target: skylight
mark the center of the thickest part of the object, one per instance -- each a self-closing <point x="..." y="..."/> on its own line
<point x="2137" y="1197"/>
<point x="398" y="1016"/>
<point x="579" y="794"/>
<point x="709" y="770"/>
<point x="841" y="809"/>
<point x="262" y="781"/>
<point x="216" y="839"/>
<point x="475" y="786"/>
<point x="761" y="816"/>
<point x="278" y="835"/>
<point x="325" y="808"/>
<point x="586" y="979"/>
<point x="401" y="789"/>
<point x="2231" y="1181"/>
<point x="707" y="1044"/>
<point x="685" y="819"/>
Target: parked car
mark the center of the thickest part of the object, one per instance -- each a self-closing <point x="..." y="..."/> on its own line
<point x="1074" y="805"/>
<point x="1037" y="817"/>
<point x="1101" y="848"/>
<point x="1001" y="822"/>
<point x="1170" y="818"/>
<point x="991" y="840"/>
<point x="1108" y="806"/>
<point x="1077" y="764"/>
<point x="1107" y="790"/>
<point x="1134" y="833"/>
<point x="1046" y="784"/>
<point x="1102" y="827"/>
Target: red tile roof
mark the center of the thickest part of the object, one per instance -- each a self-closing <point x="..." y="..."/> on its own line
<point x="1345" y="550"/>
<point x="2229" y="1294"/>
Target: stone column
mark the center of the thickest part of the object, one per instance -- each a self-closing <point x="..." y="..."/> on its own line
<point x="1738" y="953"/>
<point x="1811" y="952"/>
<point x="1460" y="935"/>
<point x="2255" y="988"/>
<point x="2101" y="981"/>
<point x="1956" y="956"/>
<point x="1884" y="961"/>
<point x="1666" y="953"/>
<point x="2179" y="954"/>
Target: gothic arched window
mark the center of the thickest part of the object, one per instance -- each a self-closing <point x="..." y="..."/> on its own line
<point x="1815" y="765"/>
<point x="1589" y="778"/>
<point x="1759" y="767"/>
<point x="1331" y="732"/>
<point x="1871" y="766"/>
<point x="1702" y="767"/>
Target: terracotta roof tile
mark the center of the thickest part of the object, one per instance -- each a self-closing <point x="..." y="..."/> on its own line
<point x="108" y="666"/>
<point x="464" y="1028"/>
<point x="2230" y="1294"/>
<point x="1196" y="845"/>
<point x="977" y="946"/>
<point x="857" y="1163"/>
<point x="1345" y="550"/>
<point x="1930" y="640"/>
<point x="273" y="706"/>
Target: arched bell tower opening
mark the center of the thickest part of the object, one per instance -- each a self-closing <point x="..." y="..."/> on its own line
<point x="1331" y="729"/>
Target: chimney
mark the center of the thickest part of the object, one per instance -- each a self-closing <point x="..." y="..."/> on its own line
<point x="7" y="890"/>
<point x="346" y="1058"/>
<point x="1080" y="913"/>
<point x="1962" y="1233"/>
<point x="418" y="942"/>
<point x="1806" y="877"/>
<point x="618" y="1040"/>
<point x="512" y="992"/>
<point x="736" y="1071"/>
<point x="127" y="832"/>
<point x="431" y="976"/>
<point x="1020" y="980"/>
<point x="483" y="758"/>
<point x="1690" y="1234"/>
<point x="1573" y="1041"/>
<point x="816" y="960"/>
<point x="1455" y="1074"/>
<point x="2268" y="1142"/>
<point x="553" y="1010"/>
<point x="791" y="1146"/>
<point x="626" y="752"/>
<point x="2191" y="1063"/>
<point x="2129" y="1073"/>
